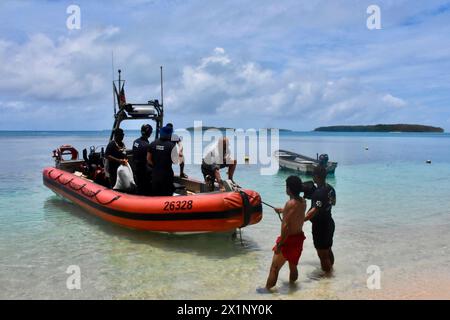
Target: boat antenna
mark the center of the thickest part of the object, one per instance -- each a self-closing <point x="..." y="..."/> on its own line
<point x="162" y="96"/>
<point x="112" y="75"/>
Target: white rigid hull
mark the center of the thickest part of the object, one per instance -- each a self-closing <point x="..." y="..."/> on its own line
<point x="304" y="166"/>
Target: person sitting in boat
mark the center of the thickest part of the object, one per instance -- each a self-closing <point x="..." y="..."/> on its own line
<point x="162" y="153"/>
<point x="115" y="154"/>
<point x="141" y="168"/>
<point x="177" y="139"/>
<point x="218" y="156"/>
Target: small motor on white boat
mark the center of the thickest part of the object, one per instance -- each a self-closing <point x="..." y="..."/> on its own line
<point x="323" y="159"/>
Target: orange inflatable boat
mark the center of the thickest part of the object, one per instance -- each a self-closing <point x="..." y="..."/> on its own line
<point x="196" y="207"/>
<point x="198" y="212"/>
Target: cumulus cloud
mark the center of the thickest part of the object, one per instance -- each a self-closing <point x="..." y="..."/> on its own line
<point x="394" y="101"/>
<point x="67" y="68"/>
<point x="290" y="64"/>
<point x="13" y="106"/>
<point x="218" y="85"/>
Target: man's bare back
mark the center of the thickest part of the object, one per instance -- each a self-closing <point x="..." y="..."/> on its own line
<point x="289" y="245"/>
<point x="294" y="216"/>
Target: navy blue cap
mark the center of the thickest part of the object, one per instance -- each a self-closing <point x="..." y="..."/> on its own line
<point x="166" y="132"/>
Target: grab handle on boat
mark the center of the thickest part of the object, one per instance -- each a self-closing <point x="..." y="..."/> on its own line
<point x="90" y="194"/>
<point x="57" y="177"/>
<point x="95" y="194"/>
<point x="239" y="189"/>
<point x="77" y="188"/>
<point x="107" y="202"/>
<point x="67" y="182"/>
<point x="247" y="208"/>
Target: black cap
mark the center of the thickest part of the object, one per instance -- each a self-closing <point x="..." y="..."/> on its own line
<point x="118" y="132"/>
<point x="146" y="129"/>
<point x="166" y="132"/>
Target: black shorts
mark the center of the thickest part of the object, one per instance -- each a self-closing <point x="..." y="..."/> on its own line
<point x="323" y="232"/>
<point x="210" y="169"/>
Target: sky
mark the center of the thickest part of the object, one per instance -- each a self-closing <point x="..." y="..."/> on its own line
<point x="246" y="64"/>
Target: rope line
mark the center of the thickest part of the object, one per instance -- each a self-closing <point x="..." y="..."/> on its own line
<point x="108" y="202"/>
<point x="77" y="188"/>
<point x="87" y="193"/>
<point x="239" y="189"/>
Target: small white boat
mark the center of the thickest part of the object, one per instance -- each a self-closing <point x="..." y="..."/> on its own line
<point x="303" y="164"/>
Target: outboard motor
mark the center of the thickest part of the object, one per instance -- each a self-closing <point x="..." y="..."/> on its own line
<point x="85" y="155"/>
<point x="93" y="160"/>
<point x="323" y="159"/>
<point x="94" y="157"/>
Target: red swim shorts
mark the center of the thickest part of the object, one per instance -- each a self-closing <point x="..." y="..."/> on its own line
<point x="292" y="247"/>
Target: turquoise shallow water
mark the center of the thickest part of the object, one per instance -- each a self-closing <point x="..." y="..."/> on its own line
<point x="392" y="211"/>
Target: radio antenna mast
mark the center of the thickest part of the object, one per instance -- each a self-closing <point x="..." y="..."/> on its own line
<point x="162" y="95"/>
<point x="112" y="75"/>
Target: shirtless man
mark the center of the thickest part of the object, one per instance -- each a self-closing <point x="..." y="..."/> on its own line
<point x="289" y="244"/>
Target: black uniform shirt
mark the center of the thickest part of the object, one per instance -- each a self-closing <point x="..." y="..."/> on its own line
<point x="140" y="147"/>
<point x="323" y="199"/>
<point x="161" y="151"/>
<point x="117" y="152"/>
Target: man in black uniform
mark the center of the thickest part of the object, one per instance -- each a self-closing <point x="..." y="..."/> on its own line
<point x="159" y="156"/>
<point x="323" y="198"/>
<point x="116" y="155"/>
<point x="142" y="171"/>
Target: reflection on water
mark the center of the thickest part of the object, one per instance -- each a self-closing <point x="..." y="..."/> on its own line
<point x="213" y="245"/>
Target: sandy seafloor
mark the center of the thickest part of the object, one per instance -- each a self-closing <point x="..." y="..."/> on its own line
<point x="392" y="211"/>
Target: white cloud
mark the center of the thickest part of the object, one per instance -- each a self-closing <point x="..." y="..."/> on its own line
<point x="394" y="101"/>
<point x="218" y="57"/>
<point x="232" y="89"/>
<point x="299" y="63"/>
<point x="12" y="106"/>
<point x="67" y="68"/>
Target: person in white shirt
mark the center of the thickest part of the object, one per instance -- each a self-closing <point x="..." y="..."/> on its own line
<point x="216" y="157"/>
<point x="177" y="139"/>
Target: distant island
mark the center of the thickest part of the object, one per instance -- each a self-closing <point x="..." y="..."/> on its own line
<point x="382" y="128"/>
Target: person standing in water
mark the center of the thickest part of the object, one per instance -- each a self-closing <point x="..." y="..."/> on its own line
<point x="289" y="245"/>
<point x="323" y="198"/>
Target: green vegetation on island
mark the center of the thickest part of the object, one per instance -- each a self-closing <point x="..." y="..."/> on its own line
<point x="382" y="128"/>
